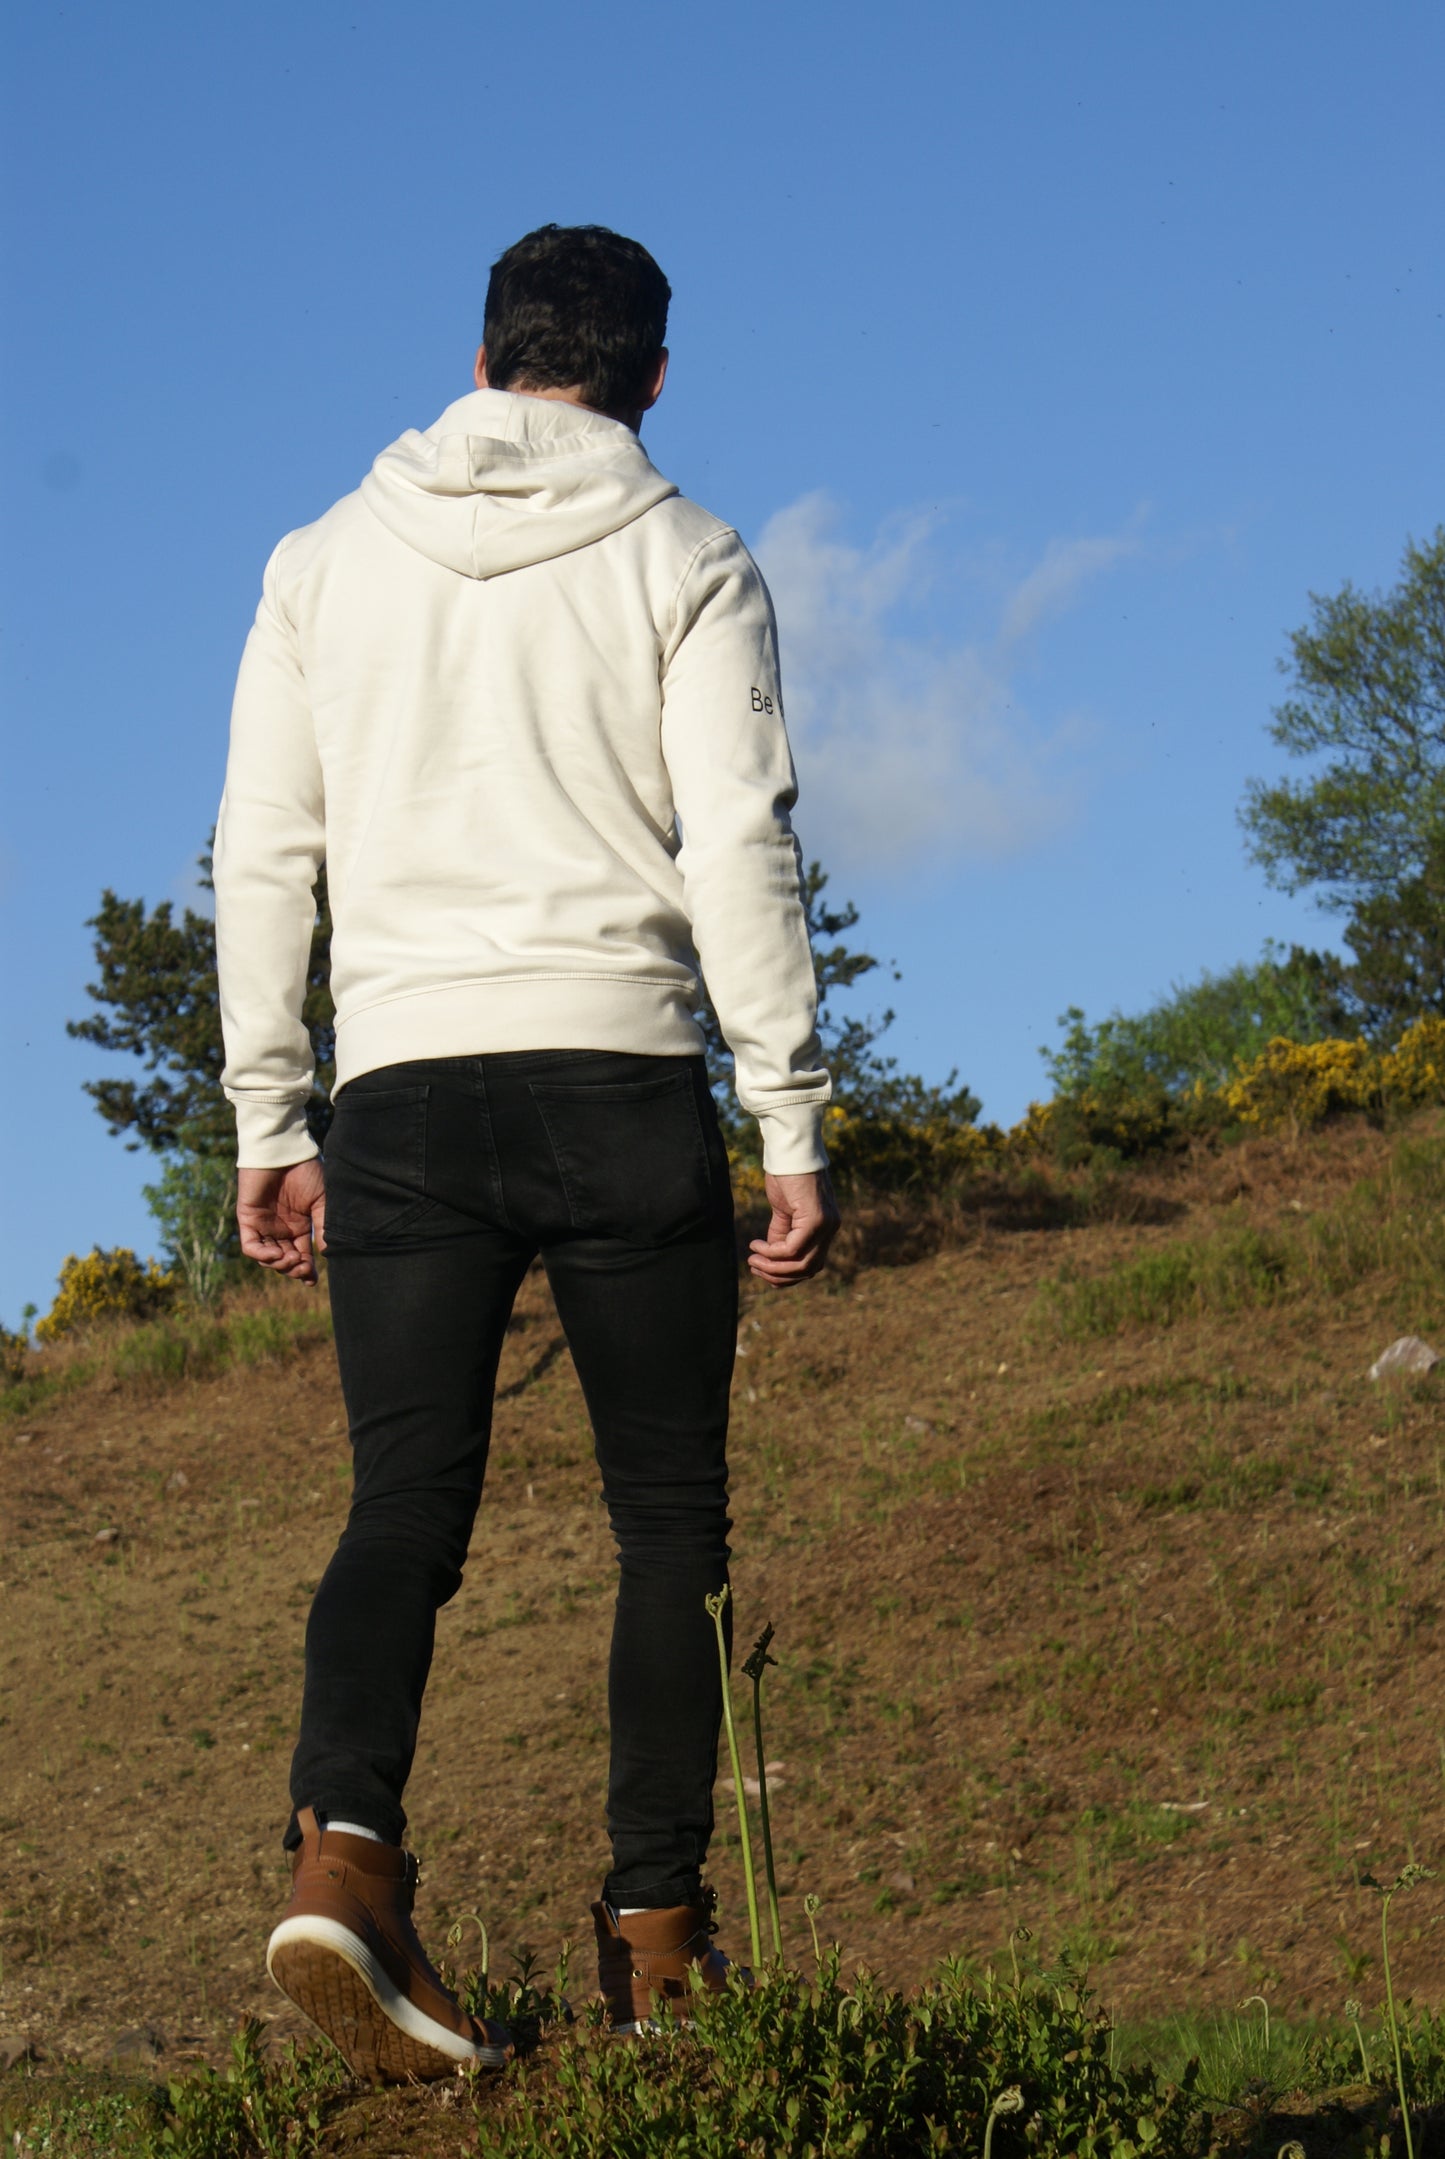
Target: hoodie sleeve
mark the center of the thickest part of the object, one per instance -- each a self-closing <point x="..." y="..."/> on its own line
<point x="733" y="786"/>
<point x="270" y="844"/>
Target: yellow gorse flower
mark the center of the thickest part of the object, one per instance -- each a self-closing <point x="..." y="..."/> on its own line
<point x="1297" y="1084"/>
<point x="104" y="1285"/>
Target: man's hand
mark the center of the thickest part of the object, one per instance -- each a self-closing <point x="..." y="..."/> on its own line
<point x="804" y="1224"/>
<point x="281" y="1214"/>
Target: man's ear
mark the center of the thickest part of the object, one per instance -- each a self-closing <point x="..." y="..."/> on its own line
<point x="479" y="372"/>
<point x="653" y="388"/>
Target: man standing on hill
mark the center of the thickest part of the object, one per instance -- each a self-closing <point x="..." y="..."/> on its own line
<point x="521" y="698"/>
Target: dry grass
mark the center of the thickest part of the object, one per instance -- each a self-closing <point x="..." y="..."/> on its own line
<point x="258" y="1322"/>
<point x="1132" y="1637"/>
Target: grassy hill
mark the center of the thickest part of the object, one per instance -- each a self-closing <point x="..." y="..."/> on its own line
<point x="1107" y="1587"/>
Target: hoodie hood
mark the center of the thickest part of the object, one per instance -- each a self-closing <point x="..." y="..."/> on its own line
<point x="503" y="481"/>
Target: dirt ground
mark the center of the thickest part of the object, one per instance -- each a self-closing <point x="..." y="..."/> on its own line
<point x="1135" y="1642"/>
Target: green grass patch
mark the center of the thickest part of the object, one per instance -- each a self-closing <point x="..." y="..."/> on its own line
<point x="1392" y="1225"/>
<point x="198" y="1345"/>
<point x="797" y="2069"/>
<point x="800" y="2069"/>
<point x="1137" y="1830"/>
<point x="1119" y="1406"/>
<point x="189" y="1343"/>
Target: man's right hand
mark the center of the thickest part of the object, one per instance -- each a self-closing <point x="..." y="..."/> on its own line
<point x="804" y="1224"/>
<point x="281" y="1214"/>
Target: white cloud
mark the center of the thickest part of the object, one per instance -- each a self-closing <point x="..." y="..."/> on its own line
<point x="909" y="747"/>
<point x="1052" y="585"/>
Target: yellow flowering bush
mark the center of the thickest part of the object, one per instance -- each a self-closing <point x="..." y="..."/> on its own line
<point x="893" y="1154"/>
<point x="1302" y="1083"/>
<point x="1414" y="1071"/>
<point x="104" y="1285"/>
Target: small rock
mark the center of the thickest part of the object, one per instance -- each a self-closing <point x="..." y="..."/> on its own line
<point x="106" y="1536"/>
<point x="917" y="1424"/>
<point x="177" y="1481"/>
<point x="902" y="1881"/>
<point x="1407" y="1355"/>
<point x="142" y="2043"/>
<point x="751" y="1786"/>
<point x="14" y="2050"/>
<point x="23" y="1439"/>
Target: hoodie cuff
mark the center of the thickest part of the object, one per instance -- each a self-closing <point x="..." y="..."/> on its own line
<point x="793" y="1139"/>
<point x="271" y="1134"/>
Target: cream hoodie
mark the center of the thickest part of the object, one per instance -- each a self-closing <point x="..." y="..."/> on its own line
<point x="521" y="697"/>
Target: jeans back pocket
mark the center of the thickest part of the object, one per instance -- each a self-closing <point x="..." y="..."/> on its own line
<point x="632" y="1156"/>
<point x="375" y="1164"/>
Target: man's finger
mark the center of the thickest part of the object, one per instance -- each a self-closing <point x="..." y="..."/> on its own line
<point x="801" y="1232"/>
<point x="785" y="1262"/>
<point x="779" y="1280"/>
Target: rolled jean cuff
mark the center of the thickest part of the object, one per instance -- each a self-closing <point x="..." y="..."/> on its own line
<point x="652" y="1896"/>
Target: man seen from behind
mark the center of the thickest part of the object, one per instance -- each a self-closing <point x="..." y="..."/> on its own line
<point x="521" y="699"/>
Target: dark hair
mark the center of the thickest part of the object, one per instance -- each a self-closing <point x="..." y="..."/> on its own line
<point x="576" y="305"/>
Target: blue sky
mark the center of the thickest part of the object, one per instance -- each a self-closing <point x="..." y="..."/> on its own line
<point x="1050" y="357"/>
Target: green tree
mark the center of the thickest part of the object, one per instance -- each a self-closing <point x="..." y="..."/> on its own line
<point x="194" y="1205"/>
<point x="869" y="1084"/>
<point x="1397" y="973"/>
<point x="159" y="1002"/>
<point x="1368" y="674"/>
<point x="1200" y="1032"/>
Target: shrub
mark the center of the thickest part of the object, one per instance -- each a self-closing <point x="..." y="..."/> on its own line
<point x="1197" y="1035"/>
<point x="1112" y="1121"/>
<point x="1414" y="1071"/>
<point x="894" y="1154"/>
<point x="1294" y="1085"/>
<point x="105" y="1285"/>
<point x="14" y="1356"/>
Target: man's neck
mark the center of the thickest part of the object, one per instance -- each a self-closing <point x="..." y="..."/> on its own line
<point x="574" y="397"/>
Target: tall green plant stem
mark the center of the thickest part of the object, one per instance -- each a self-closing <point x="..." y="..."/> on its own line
<point x="1405" y="1879"/>
<point x="1394" y="2023"/>
<point x="715" y="1608"/>
<point x="756" y="1665"/>
<point x="1007" y="2102"/>
<point x="1394" y="2026"/>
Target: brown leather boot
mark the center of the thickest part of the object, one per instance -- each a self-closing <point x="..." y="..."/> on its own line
<point x="648" y="1954"/>
<point x="349" y="1957"/>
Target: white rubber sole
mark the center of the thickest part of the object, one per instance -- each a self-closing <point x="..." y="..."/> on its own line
<point x="334" y="1979"/>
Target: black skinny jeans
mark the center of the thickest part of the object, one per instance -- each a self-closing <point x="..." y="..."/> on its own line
<point x="443" y="1181"/>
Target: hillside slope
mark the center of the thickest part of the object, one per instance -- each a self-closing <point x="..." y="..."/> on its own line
<point x="1134" y="1640"/>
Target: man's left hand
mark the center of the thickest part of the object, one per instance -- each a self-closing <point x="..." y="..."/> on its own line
<point x="281" y="1214"/>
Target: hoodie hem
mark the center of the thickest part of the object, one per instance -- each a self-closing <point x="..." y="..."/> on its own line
<point x="479" y="1019"/>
